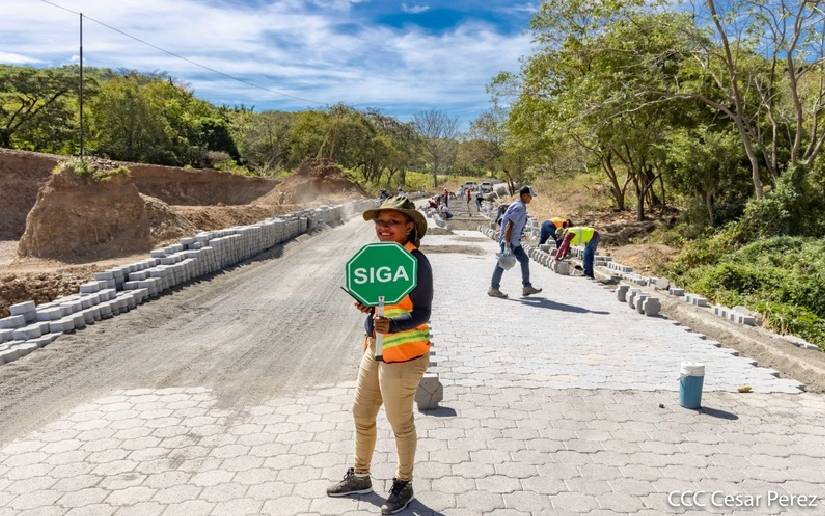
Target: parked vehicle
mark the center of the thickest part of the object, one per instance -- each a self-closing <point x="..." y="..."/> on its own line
<point x="486" y="186"/>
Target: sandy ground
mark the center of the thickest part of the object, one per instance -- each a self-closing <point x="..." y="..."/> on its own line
<point x="278" y="322"/>
<point x="8" y="252"/>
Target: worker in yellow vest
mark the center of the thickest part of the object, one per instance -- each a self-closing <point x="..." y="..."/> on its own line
<point x="550" y="227"/>
<point x="392" y="382"/>
<point x="580" y="235"/>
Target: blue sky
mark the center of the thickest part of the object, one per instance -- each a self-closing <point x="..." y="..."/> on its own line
<point x="398" y="56"/>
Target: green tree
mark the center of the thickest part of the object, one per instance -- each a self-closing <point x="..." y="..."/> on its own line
<point x="36" y="107"/>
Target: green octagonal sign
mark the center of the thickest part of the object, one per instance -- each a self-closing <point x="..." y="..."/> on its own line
<point x="382" y="269"/>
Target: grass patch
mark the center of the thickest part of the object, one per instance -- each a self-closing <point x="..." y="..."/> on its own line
<point x="91" y="170"/>
<point x="783" y="278"/>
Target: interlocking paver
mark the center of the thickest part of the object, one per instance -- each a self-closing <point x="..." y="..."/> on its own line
<point x="541" y="425"/>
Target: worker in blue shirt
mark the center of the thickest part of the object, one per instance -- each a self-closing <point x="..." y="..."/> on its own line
<point x="509" y="237"/>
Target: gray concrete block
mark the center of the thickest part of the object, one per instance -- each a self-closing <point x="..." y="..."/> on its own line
<point x="6" y="334"/>
<point x="562" y="267"/>
<point x="9" y="355"/>
<point x="31" y="331"/>
<point x="43" y="340"/>
<point x="651" y="306"/>
<point x="430" y="392"/>
<point x="103" y="275"/>
<point x="45" y="327"/>
<point x="107" y="294"/>
<point x="92" y="286"/>
<point x="638" y="302"/>
<point x="106" y="311"/>
<point x="621" y="293"/>
<point x="21" y="308"/>
<point x="630" y="297"/>
<point x="27" y="347"/>
<point x="696" y="300"/>
<point x="14" y="321"/>
<point x="49" y="314"/>
<point x="63" y="325"/>
<point x="745" y="319"/>
<point x="88" y="315"/>
<point x="79" y="320"/>
<point x="73" y="306"/>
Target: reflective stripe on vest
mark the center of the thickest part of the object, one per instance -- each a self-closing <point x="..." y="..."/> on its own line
<point x="558" y="222"/>
<point x="408" y="344"/>
<point x="581" y="235"/>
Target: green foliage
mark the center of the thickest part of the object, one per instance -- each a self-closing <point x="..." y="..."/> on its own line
<point x="91" y="170"/>
<point x="782" y="277"/>
<point x="36" y="108"/>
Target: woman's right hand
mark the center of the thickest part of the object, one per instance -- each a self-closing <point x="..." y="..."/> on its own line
<point x="361" y="308"/>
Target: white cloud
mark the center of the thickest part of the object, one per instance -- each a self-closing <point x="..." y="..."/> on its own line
<point x="283" y="45"/>
<point x="16" y="59"/>
<point x="414" y="8"/>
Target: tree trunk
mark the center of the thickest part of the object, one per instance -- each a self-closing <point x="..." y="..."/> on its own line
<point x="708" y="197"/>
<point x="615" y="189"/>
<point x="5" y="138"/>
<point x="650" y="180"/>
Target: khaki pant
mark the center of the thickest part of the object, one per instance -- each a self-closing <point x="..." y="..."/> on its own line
<point x="394" y="385"/>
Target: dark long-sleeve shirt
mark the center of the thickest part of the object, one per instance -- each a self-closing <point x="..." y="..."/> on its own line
<point x="422" y="299"/>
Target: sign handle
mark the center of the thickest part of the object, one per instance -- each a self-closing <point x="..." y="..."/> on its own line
<point x="379" y="337"/>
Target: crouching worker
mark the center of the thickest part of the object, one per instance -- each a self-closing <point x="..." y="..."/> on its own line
<point x="406" y="355"/>
<point x="588" y="237"/>
<point x="550" y="227"/>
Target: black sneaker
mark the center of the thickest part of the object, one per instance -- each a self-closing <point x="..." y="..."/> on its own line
<point x="352" y="484"/>
<point x="400" y="497"/>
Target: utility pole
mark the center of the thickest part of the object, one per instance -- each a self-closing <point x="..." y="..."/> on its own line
<point x="81" y="88"/>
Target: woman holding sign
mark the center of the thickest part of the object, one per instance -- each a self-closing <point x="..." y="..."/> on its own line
<point x="392" y="381"/>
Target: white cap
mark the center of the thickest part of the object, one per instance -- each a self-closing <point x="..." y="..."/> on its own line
<point x="692" y="369"/>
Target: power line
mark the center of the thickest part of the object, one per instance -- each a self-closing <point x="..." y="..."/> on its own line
<point x="184" y="58"/>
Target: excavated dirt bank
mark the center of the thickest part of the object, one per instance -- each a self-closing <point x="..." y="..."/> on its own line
<point x="23" y="173"/>
<point x="79" y="219"/>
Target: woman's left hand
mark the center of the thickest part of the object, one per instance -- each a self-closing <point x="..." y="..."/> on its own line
<point x="382" y="325"/>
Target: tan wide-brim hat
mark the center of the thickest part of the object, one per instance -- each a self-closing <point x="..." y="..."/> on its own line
<point x="405" y="206"/>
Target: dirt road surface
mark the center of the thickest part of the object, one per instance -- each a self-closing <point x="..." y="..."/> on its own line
<point x="278" y="323"/>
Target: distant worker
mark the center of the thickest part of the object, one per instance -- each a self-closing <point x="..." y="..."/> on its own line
<point x="512" y="226"/>
<point x="479" y="197"/>
<point x="550" y="227"/>
<point x="401" y="192"/>
<point x="446" y="197"/>
<point x="468" y="194"/>
<point x="445" y="212"/>
<point x="580" y="235"/>
<point x="393" y="381"/>
<point x="384" y="195"/>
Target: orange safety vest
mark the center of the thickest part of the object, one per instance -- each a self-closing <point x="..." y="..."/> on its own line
<point x="558" y="222"/>
<point x="408" y="344"/>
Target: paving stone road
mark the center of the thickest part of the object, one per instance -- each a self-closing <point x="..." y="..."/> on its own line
<point x="563" y="403"/>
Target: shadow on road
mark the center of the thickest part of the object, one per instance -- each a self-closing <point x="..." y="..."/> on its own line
<point x="549" y="304"/>
<point x="415" y="507"/>
<point x="440" y="412"/>
<point x="718" y="413"/>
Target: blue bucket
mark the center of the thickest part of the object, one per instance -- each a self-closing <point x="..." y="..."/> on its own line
<point x="691" y="381"/>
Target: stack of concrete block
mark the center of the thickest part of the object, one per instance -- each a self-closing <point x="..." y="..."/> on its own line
<point x="676" y="291"/>
<point x="122" y="288"/>
<point x="618" y="267"/>
<point x="696" y="300"/>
